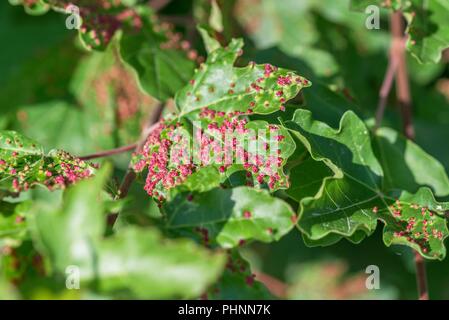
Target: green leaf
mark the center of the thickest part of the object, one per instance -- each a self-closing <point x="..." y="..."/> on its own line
<point x="419" y="222"/>
<point x="24" y="165"/>
<point x="306" y="178"/>
<point x="162" y="67"/>
<point x="13" y="143"/>
<point x="210" y="42"/>
<point x="407" y="166"/>
<point x="203" y="180"/>
<point x="112" y="106"/>
<point x="201" y="168"/>
<point x="216" y="18"/>
<point x="218" y="85"/>
<point x="120" y="266"/>
<point x="347" y="150"/>
<point x="329" y="106"/>
<point x="428" y="26"/>
<point x="340" y="206"/>
<point x="352" y="200"/>
<point x="68" y="235"/>
<point x="7" y="291"/>
<point x="211" y="119"/>
<point x="98" y="22"/>
<point x="238" y="282"/>
<point x="82" y="131"/>
<point x="37" y="7"/>
<point x="229" y="217"/>
<point x="428" y="29"/>
<point x="13" y="224"/>
<point x="153" y="268"/>
<point x="291" y="26"/>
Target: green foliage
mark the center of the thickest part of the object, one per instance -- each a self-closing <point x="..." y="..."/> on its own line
<point x="428" y="28"/>
<point x="156" y="55"/>
<point x="13" y="227"/>
<point x="24" y="165"/>
<point x="206" y="223"/>
<point x="219" y="86"/>
<point x="238" y="282"/>
<point x="99" y="20"/>
<point x="355" y="197"/>
<point x="120" y="265"/>
<point x="407" y="166"/>
<point x="231" y="217"/>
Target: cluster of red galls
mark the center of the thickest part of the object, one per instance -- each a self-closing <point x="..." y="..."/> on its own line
<point x="58" y="171"/>
<point x="170" y="161"/>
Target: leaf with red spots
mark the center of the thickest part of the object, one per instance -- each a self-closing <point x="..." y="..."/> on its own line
<point x="218" y="85"/>
<point x="13" y="144"/>
<point x="230" y="217"/>
<point x="207" y="156"/>
<point x="99" y="19"/>
<point x="418" y="221"/>
<point x="24" y="165"/>
<point x="350" y="202"/>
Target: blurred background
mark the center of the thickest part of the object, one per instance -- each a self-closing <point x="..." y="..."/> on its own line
<point x="53" y="90"/>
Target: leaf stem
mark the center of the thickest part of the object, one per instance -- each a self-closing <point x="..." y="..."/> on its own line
<point x="421" y="277"/>
<point x="385" y="90"/>
<point x="397" y="46"/>
<point x="109" y="153"/>
<point x="405" y="101"/>
<point x="402" y="83"/>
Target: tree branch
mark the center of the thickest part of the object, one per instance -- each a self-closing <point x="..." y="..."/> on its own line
<point x="397" y="46"/>
<point x="109" y="153"/>
<point x="386" y="88"/>
<point x="402" y="84"/>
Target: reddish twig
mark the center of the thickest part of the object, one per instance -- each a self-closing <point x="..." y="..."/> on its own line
<point x="158" y="4"/>
<point x="109" y="153"/>
<point x="402" y="84"/>
<point x="275" y="286"/>
<point x="421" y="277"/>
<point x="397" y="46"/>
<point x="386" y="88"/>
<point x="405" y="101"/>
